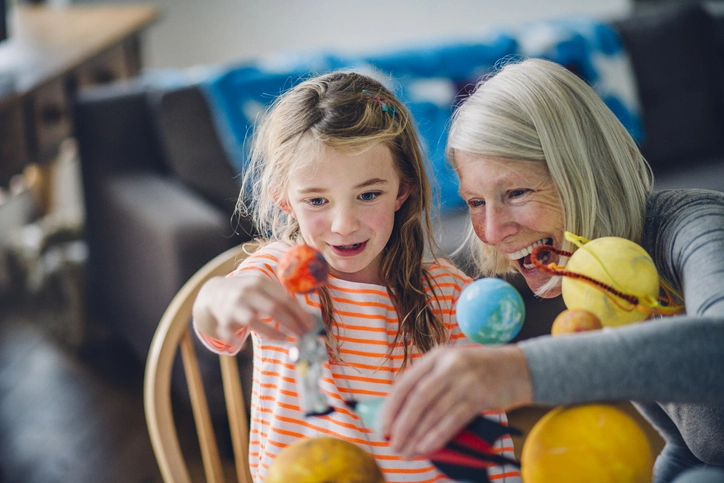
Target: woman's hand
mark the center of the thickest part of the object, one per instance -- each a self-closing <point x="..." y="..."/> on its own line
<point x="225" y="305"/>
<point x="445" y="389"/>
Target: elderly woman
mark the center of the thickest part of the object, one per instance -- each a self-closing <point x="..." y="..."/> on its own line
<point x="538" y="154"/>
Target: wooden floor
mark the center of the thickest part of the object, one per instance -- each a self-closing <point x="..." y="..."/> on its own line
<point x="69" y="415"/>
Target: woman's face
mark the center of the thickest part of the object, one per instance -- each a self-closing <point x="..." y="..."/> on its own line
<point x="514" y="206"/>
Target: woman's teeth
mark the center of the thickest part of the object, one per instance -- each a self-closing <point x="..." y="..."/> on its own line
<point x="524" y="252"/>
<point x="527" y="261"/>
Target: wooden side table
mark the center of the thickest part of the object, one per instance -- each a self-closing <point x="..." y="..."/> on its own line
<point x="51" y="52"/>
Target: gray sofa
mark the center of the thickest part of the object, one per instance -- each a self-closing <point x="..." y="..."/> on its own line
<point x="159" y="190"/>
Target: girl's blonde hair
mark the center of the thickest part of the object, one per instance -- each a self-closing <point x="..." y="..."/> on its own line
<point x="349" y="112"/>
<point x="539" y="111"/>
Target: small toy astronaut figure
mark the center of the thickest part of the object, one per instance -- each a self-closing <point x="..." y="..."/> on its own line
<point x="309" y="356"/>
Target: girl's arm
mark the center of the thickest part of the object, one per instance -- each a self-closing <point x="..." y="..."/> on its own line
<point x="228" y="308"/>
<point x="249" y="299"/>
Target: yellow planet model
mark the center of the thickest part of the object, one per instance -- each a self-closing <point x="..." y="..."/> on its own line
<point x="617" y="263"/>
<point x="595" y="443"/>
<point x="324" y="460"/>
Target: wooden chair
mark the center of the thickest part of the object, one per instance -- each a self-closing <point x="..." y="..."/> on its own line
<point x="173" y="334"/>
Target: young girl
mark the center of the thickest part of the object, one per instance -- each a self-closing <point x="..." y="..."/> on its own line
<point x="337" y="165"/>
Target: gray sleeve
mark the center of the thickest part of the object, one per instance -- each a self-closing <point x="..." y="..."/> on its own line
<point x="675" y="359"/>
<point x="685" y="236"/>
<point x="678" y="359"/>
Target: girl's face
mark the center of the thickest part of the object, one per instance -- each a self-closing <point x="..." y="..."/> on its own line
<point x="346" y="208"/>
<point x="514" y="206"/>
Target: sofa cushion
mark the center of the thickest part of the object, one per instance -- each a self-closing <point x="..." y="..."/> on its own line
<point x="674" y="55"/>
<point x="706" y="173"/>
<point x="191" y="145"/>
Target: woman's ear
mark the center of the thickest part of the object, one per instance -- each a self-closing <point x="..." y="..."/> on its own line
<point x="402" y="195"/>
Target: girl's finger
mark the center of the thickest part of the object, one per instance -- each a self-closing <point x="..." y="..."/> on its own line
<point x="228" y="331"/>
<point x="268" y="331"/>
<point x="285" y="309"/>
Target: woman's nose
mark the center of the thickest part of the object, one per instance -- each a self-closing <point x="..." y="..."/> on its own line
<point x="497" y="225"/>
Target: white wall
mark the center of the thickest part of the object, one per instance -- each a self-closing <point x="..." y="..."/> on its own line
<point x="193" y="32"/>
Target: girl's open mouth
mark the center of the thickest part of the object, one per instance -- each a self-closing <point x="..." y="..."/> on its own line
<point x="349" y="250"/>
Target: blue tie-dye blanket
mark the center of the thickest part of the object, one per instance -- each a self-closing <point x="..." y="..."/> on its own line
<point x="430" y="80"/>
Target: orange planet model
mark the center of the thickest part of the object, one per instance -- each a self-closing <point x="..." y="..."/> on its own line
<point x="575" y="320"/>
<point x="302" y="269"/>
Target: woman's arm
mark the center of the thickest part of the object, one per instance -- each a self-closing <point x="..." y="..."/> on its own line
<point x="674" y="359"/>
<point x="448" y="387"/>
<point x="677" y="359"/>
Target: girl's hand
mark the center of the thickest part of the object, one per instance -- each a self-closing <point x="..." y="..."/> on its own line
<point x="225" y="305"/>
<point x="448" y="387"/>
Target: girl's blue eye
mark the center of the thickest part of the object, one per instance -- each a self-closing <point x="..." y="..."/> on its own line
<point x="316" y="201"/>
<point x="369" y="196"/>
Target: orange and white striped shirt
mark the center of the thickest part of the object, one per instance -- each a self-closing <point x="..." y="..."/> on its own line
<point x="367" y="325"/>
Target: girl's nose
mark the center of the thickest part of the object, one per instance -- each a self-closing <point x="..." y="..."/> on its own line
<point x="345" y="221"/>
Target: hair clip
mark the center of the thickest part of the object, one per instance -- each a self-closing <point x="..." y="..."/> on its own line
<point x="385" y="108"/>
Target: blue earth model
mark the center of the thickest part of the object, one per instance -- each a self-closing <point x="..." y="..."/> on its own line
<point x="490" y="311"/>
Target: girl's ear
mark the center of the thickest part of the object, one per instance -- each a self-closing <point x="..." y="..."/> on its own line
<point x="284" y="206"/>
<point x="282" y="203"/>
<point x="402" y="195"/>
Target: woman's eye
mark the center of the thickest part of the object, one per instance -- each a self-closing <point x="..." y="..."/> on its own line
<point x="517" y="193"/>
<point x="475" y="203"/>
<point x="369" y="196"/>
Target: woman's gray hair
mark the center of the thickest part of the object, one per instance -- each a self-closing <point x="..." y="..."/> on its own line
<point x="539" y="111"/>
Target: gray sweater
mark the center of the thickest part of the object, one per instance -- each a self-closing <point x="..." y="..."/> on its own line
<point x="673" y="368"/>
